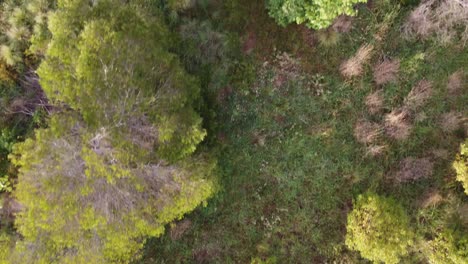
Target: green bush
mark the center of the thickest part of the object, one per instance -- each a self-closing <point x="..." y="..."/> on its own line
<point x="315" y="14"/>
<point x="461" y="165"/>
<point x="378" y="228"/>
<point x="449" y="247"/>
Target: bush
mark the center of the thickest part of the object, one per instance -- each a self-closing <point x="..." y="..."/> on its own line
<point x="316" y="14"/>
<point x="445" y="19"/>
<point x="378" y="228"/>
<point x="461" y="165"/>
<point x="449" y="247"/>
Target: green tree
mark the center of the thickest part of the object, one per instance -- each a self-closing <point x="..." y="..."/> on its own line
<point x="314" y="13"/>
<point x="111" y="63"/>
<point x="378" y="228"/>
<point x="92" y="196"/>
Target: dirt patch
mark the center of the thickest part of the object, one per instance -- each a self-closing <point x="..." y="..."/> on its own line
<point x="375" y="102"/>
<point x="224" y="94"/>
<point x="412" y="169"/>
<point x="463" y="212"/>
<point x="398" y="124"/>
<point x="367" y="132"/>
<point x="205" y="254"/>
<point x="386" y="71"/>
<point x="249" y="43"/>
<point x="451" y="121"/>
<point x="343" y="24"/>
<point x="9" y="209"/>
<point x="179" y="229"/>
<point x="308" y="36"/>
<point x="455" y="83"/>
<point x="354" y="66"/>
<point x="419" y="95"/>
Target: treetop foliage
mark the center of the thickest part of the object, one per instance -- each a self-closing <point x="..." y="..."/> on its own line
<point x="111" y="63"/>
<point x="378" y="228"/>
<point x="88" y="197"/>
<point x="461" y="165"/>
<point x="314" y="13"/>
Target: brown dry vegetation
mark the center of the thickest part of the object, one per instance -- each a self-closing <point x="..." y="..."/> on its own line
<point x="412" y="169"/>
<point x="456" y="82"/>
<point x="450" y="121"/>
<point x="442" y="18"/>
<point x="375" y="102"/>
<point x="386" y="71"/>
<point x="398" y="124"/>
<point x="367" y="132"/>
<point x="431" y="198"/>
<point x="354" y="66"/>
<point x="375" y="150"/>
<point x="419" y="95"/>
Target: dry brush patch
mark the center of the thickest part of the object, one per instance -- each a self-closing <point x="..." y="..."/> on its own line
<point x="398" y="124"/>
<point x="442" y="18"/>
<point x="354" y="66"/>
<point x="456" y="83"/>
<point x="367" y="132"/>
<point x="386" y="71"/>
<point x="412" y="169"/>
<point x="375" y="102"/>
<point x="431" y="198"/>
<point x="419" y="95"/>
<point x="451" y="121"/>
<point x="375" y="150"/>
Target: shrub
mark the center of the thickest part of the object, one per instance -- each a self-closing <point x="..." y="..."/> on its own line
<point x="449" y="247"/>
<point x="378" y="228"/>
<point x="316" y="14"/>
<point x="444" y="19"/>
<point x="461" y="165"/>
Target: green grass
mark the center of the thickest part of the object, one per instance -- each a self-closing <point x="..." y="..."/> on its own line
<point x="289" y="164"/>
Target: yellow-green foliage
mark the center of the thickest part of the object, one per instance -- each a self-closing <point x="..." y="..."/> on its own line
<point x="378" y="228"/>
<point x="314" y="13"/>
<point x="461" y="165"/>
<point x="6" y="245"/>
<point x="88" y="199"/>
<point x="24" y="29"/>
<point x="111" y="62"/>
<point x="449" y="247"/>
